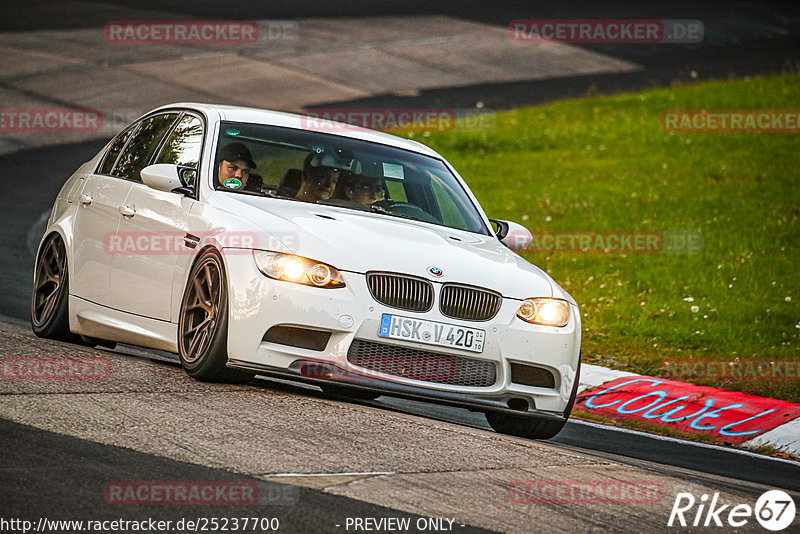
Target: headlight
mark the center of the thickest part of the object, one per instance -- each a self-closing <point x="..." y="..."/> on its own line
<point x="297" y="269"/>
<point x="546" y="311"/>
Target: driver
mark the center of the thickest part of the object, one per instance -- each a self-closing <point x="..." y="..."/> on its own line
<point x="364" y="190"/>
<point x="322" y="171"/>
<point x="235" y="165"/>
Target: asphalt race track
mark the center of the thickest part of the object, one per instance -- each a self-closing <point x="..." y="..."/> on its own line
<point x="150" y="422"/>
<point x="63" y="474"/>
<point x="319" y="463"/>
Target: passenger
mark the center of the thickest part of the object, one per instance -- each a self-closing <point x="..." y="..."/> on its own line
<point x="321" y="172"/>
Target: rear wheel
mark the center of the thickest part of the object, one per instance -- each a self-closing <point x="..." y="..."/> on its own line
<point x="529" y="427"/>
<point x="49" y="298"/>
<point x="203" y="324"/>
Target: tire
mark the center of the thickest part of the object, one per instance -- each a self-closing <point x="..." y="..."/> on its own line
<point x="525" y="426"/>
<point x="203" y="323"/>
<point x="335" y="390"/>
<point x="50" y="294"/>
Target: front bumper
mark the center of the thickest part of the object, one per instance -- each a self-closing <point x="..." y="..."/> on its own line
<point x="471" y="401"/>
<point x="257" y="303"/>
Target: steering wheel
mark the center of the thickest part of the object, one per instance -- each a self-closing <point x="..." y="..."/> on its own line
<point x="408" y="209"/>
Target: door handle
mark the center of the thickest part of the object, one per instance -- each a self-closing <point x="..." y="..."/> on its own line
<point x="86" y="200"/>
<point x="127" y="211"/>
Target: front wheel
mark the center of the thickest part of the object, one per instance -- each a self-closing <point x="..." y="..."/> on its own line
<point x="529" y="427"/>
<point x="203" y="324"/>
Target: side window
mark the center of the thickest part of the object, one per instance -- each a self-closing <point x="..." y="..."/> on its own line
<point x="114" y="150"/>
<point x="184" y="145"/>
<point x="143" y="143"/>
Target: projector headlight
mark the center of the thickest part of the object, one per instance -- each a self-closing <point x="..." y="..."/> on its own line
<point x="546" y="311"/>
<point x="291" y="268"/>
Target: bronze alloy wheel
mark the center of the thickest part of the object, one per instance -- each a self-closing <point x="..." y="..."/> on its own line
<point x="202" y="309"/>
<point x="49" y="317"/>
<point x="203" y="323"/>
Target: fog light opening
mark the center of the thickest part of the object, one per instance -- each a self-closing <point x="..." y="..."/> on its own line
<point x="521" y="405"/>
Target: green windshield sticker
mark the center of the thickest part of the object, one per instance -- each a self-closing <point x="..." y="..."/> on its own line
<point x="232" y="183"/>
<point x="231" y="131"/>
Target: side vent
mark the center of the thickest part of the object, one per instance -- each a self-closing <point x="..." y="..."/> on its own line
<point x="293" y="336"/>
<point x="528" y="375"/>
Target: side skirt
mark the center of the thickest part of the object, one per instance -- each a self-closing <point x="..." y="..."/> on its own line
<point x="93" y="320"/>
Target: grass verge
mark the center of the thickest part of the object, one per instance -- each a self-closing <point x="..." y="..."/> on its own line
<point x="605" y="164"/>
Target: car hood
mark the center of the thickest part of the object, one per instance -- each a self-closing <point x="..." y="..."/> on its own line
<point x="356" y="241"/>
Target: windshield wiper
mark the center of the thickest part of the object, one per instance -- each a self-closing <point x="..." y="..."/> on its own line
<point x="380" y="209"/>
<point x="377" y="207"/>
<point x="272" y="193"/>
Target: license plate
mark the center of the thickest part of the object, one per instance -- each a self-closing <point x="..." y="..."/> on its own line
<point x="431" y="333"/>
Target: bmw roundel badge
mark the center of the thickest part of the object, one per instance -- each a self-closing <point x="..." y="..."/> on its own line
<point x="435" y="271"/>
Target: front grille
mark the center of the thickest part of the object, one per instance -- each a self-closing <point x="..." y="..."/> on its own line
<point x="421" y="364"/>
<point x="469" y="303"/>
<point x="398" y="291"/>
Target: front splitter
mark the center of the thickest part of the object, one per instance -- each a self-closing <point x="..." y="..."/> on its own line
<point x="337" y="375"/>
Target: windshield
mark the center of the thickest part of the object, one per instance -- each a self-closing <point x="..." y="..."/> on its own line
<point x="328" y="169"/>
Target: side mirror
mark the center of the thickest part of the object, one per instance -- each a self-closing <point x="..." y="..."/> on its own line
<point x="513" y="235"/>
<point x="166" y="177"/>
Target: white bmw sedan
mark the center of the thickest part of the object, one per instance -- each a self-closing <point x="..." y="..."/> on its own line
<point x="256" y="242"/>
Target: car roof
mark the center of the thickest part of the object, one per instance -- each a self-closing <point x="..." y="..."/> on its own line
<point x="300" y="122"/>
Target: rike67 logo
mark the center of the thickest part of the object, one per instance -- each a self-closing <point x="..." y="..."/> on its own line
<point x="774" y="510"/>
